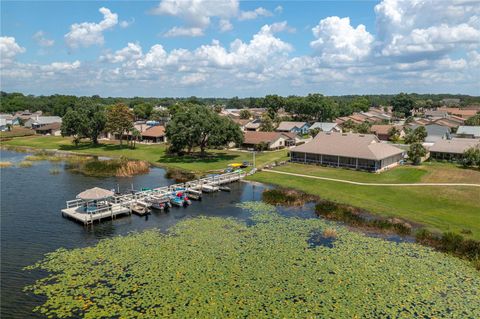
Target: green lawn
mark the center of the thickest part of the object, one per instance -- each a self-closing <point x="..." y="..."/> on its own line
<point x="429" y="172"/>
<point x="155" y="154"/>
<point x="438" y="208"/>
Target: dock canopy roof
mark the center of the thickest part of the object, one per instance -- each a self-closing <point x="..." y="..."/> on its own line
<point x="95" y="193"/>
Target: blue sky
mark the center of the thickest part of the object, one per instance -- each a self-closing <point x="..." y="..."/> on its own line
<point x="228" y="48"/>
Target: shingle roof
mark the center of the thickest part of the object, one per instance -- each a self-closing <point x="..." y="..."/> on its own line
<point x="265" y="137"/>
<point x="324" y="126"/>
<point x="288" y="126"/>
<point x="47" y="119"/>
<point x="365" y="146"/>
<point x="456" y="145"/>
<point x="469" y="130"/>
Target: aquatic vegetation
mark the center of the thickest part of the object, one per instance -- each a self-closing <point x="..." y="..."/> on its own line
<point x="25" y="164"/>
<point x="114" y="167"/>
<point x="220" y="267"/>
<point x="179" y="175"/>
<point x="288" y="197"/>
<point x="5" y="164"/>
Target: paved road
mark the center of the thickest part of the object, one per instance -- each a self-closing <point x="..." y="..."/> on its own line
<point x="372" y="184"/>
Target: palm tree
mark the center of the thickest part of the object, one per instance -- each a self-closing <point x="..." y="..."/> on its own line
<point x="136" y="135"/>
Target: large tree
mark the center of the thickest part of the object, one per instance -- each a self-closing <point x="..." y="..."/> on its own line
<point x="195" y="125"/>
<point x="74" y="124"/>
<point x="417" y="135"/>
<point x="119" y="120"/>
<point x="416" y="152"/>
<point x="96" y="120"/>
<point x="402" y="104"/>
<point x="273" y="103"/>
<point x="143" y="110"/>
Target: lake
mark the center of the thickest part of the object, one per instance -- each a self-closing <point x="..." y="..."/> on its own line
<point x="32" y="225"/>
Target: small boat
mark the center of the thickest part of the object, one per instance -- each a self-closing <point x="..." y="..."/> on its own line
<point x="184" y="198"/>
<point x="224" y="188"/>
<point x="176" y="201"/>
<point x="195" y="196"/>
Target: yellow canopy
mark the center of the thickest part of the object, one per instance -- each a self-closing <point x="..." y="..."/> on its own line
<point x="235" y="164"/>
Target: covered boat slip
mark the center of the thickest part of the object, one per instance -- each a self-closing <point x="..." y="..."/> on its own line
<point x="96" y="203"/>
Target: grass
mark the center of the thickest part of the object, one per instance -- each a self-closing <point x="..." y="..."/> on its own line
<point x="429" y="172"/>
<point x="438" y="208"/>
<point x="16" y="132"/>
<point x="154" y="154"/>
<point x="25" y="164"/>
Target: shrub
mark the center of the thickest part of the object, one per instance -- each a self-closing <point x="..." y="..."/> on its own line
<point x="330" y="233"/>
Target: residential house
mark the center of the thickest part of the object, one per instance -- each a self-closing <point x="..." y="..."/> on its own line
<point x="154" y="134"/>
<point x="452" y="150"/>
<point x="468" y="132"/>
<point x="242" y="123"/>
<point x="435" y="132"/>
<point x="49" y="129"/>
<point x="383" y="131"/>
<point x="325" y="127"/>
<point x="293" y="127"/>
<point x="269" y="140"/>
<point x="254" y="125"/>
<point x="464" y="113"/>
<point x="436" y="114"/>
<point x="38" y="121"/>
<point x="358" y="151"/>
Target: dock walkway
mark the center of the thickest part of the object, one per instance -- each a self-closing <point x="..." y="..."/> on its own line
<point x="122" y="204"/>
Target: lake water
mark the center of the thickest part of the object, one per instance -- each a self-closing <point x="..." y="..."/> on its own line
<point x="31" y="222"/>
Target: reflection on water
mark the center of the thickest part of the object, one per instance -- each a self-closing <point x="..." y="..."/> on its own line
<point x="31" y="222"/>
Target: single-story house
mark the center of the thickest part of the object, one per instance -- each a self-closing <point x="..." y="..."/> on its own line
<point x="39" y="121"/>
<point x="49" y="129"/>
<point x="468" y="131"/>
<point x="269" y="140"/>
<point x="453" y="149"/>
<point x="465" y="113"/>
<point x="241" y="122"/>
<point x="436" y="114"/>
<point x="435" y="132"/>
<point x="325" y="127"/>
<point x="450" y="122"/>
<point x="358" y="151"/>
<point x="154" y="134"/>
<point x="253" y="125"/>
<point x="382" y="131"/>
<point x="293" y="127"/>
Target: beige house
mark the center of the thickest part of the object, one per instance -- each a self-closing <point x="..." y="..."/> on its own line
<point x="358" y="151"/>
<point x="452" y="150"/>
<point x="267" y="140"/>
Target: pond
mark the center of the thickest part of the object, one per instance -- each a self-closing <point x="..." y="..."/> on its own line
<point x="31" y="222"/>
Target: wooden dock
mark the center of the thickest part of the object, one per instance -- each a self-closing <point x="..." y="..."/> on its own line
<point x="125" y="204"/>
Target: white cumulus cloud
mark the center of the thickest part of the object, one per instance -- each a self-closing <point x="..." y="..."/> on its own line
<point x="337" y="41"/>
<point x="9" y="48"/>
<point x="254" y="14"/>
<point x="89" y="33"/>
<point x="184" y="32"/>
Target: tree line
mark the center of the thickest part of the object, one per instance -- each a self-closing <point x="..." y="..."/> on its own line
<point x="306" y="106"/>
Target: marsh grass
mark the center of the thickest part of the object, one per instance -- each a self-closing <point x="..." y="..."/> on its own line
<point x="5" y="164"/>
<point x="330" y="233"/>
<point x="114" y="167"/>
<point x="286" y="197"/>
<point x="25" y="164"/>
<point x="180" y="176"/>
